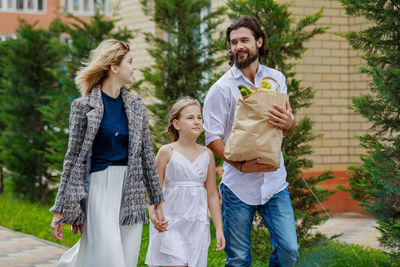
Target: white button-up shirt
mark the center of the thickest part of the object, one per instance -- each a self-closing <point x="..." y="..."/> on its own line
<point x="218" y="115"/>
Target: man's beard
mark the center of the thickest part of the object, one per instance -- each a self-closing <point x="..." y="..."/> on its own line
<point x="245" y="63"/>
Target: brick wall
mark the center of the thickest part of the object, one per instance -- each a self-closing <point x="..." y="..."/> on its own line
<point x="331" y="68"/>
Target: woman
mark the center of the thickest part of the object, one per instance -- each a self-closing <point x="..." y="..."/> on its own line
<point x="108" y="165"/>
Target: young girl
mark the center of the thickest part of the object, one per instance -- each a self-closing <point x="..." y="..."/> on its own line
<point x="108" y="165"/>
<point x="188" y="172"/>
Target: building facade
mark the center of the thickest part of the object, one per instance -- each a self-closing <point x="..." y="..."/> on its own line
<point x="45" y="11"/>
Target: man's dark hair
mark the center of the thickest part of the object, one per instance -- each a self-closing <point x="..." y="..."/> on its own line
<point x="252" y="24"/>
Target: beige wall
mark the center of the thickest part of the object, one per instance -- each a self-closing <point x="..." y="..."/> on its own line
<point x="131" y="16"/>
<point x="329" y="66"/>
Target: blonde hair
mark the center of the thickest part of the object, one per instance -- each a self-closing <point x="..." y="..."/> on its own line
<point x="175" y="113"/>
<point x="100" y="59"/>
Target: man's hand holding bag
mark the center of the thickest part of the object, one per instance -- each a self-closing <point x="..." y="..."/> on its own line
<point x="252" y="135"/>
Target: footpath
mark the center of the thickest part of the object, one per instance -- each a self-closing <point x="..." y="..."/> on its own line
<point x="21" y="250"/>
<point x="354" y="227"/>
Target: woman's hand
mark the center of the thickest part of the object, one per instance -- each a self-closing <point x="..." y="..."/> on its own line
<point x="153" y="218"/>
<point x="220" y="240"/>
<point x="57" y="230"/>
<point x="158" y="219"/>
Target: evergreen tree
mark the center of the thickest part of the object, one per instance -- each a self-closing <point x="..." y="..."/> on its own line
<point x="285" y="43"/>
<point x="183" y="60"/>
<point x="375" y="183"/>
<point x="30" y="71"/>
<point x="2" y="52"/>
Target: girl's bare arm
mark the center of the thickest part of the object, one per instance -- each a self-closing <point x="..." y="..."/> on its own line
<point x="213" y="202"/>
<point x="155" y="211"/>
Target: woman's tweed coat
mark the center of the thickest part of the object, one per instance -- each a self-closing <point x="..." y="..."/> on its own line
<point x="84" y="121"/>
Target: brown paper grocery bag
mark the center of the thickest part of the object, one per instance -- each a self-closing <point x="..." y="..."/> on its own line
<point x="252" y="136"/>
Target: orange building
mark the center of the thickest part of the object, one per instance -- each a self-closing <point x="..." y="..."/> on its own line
<point x="45" y="11"/>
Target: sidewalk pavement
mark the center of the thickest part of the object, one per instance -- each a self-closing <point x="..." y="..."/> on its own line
<point x="21" y="250"/>
<point x="355" y="228"/>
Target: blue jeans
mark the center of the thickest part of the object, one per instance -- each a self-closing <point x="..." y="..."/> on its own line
<point x="277" y="214"/>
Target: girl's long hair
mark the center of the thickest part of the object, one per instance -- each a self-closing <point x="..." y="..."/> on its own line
<point x="175" y="113"/>
<point x="95" y="69"/>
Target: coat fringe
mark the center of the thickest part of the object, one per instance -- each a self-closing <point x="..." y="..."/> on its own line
<point x="154" y="200"/>
<point x="130" y="218"/>
<point x="56" y="208"/>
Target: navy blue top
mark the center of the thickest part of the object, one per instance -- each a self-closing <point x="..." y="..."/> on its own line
<point x="111" y="142"/>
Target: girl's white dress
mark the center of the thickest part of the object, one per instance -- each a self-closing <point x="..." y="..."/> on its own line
<point x="185" y="208"/>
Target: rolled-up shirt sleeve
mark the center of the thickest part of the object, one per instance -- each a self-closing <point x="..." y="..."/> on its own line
<point x="216" y="113"/>
<point x="282" y="83"/>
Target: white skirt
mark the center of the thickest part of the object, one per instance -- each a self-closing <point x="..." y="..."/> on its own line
<point x="104" y="243"/>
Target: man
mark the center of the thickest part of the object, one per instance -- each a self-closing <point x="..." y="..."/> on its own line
<point x="249" y="186"/>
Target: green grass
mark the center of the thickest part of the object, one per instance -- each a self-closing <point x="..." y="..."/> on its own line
<point x="35" y="220"/>
<point x="335" y="254"/>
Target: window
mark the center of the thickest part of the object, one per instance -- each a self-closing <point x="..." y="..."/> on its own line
<point x="10" y="4"/>
<point x="27" y="6"/>
<point x="75" y="5"/>
<point x="30" y="4"/>
<point x="5" y="36"/>
<point x="20" y="4"/>
<point x="87" y="7"/>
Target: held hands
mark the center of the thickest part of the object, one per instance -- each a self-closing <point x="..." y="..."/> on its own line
<point x="220" y="240"/>
<point x="57" y="230"/>
<point x="158" y="219"/>
<point x="280" y="117"/>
